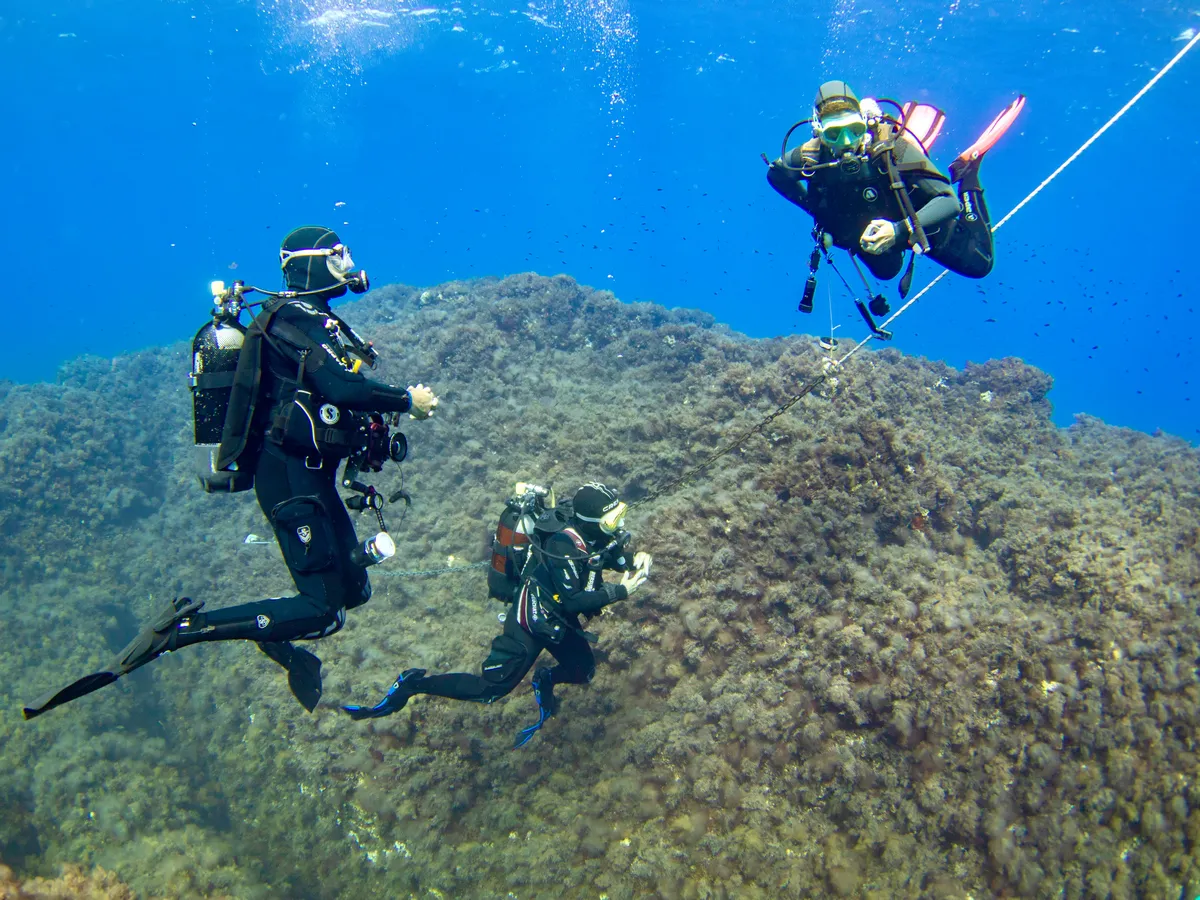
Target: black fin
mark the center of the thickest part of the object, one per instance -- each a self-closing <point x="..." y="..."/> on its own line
<point x="303" y="668"/>
<point x="85" y="685"/>
<point x="907" y="277"/>
<point x="280" y="651"/>
<point x="304" y="678"/>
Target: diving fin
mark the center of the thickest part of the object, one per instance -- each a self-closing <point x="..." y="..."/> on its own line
<point x="303" y="668"/>
<point x="397" y="696"/>
<point x="922" y="122"/>
<point x="543" y="692"/>
<point x="74" y="691"/>
<point x="987" y="140"/>
<point x="906" y="279"/>
<point x="152" y="642"/>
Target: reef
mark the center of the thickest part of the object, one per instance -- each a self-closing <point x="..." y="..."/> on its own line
<point x="911" y="640"/>
<point x="72" y="884"/>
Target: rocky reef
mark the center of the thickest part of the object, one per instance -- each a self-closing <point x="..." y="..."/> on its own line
<point x="72" y="884"/>
<point x="912" y="640"/>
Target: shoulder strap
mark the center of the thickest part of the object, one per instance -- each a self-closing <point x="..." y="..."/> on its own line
<point x="811" y="149"/>
<point x="580" y="543"/>
<point x="247" y="378"/>
<point x="243" y="399"/>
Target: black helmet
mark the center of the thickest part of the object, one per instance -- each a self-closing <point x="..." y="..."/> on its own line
<point x="313" y="258"/>
<point x="834" y="97"/>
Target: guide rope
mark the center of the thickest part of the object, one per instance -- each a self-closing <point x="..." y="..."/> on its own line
<point x="1037" y="190"/>
<point x="419" y="573"/>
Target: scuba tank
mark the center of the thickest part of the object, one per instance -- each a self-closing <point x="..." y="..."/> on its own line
<point x="215" y="351"/>
<point x="510" y="543"/>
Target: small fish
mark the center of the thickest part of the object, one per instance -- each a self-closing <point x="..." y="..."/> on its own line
<point x="233" y="265"/>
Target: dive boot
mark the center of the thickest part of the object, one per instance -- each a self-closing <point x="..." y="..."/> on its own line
<point x="153" y="641"/>
<point x="303" y="668"/>
<point x="395" y="699"/>
<point x="543" y="692"/>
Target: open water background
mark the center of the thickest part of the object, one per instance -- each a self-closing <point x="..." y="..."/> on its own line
<point x="153" y="146"/>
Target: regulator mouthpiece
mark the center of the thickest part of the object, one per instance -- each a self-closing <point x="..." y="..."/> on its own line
<point x="359" y="283"/>
<point x="374" y="550"/>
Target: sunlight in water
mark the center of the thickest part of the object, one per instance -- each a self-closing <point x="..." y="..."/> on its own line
<point x="341" y="39"/>
<point x="344" y="36"/>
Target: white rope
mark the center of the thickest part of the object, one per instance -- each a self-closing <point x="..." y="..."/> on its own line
<point x="1037" y="190"/>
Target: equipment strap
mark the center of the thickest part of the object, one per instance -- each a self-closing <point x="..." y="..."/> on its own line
<point x="207" y="381"/>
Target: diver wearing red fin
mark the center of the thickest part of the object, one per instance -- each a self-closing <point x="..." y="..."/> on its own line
<point x="867" y="181"/>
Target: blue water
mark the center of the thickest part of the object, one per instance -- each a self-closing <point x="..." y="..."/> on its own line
<point x="152" y="146"/>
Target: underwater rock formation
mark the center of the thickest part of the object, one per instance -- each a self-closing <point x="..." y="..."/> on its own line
<point x="72" y="884"/>
<point x="913" y="640"/>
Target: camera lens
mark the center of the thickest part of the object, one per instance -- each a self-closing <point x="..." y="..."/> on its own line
<point x="398" y="447"/>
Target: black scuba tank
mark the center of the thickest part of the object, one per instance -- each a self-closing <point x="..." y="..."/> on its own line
<point x="215" y="351"/>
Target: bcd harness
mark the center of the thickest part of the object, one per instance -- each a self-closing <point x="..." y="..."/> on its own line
<point x="302" y="426"/>
<point x="539" y="610"/>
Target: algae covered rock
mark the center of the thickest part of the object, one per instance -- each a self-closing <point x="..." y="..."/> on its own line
<point x="903" y="641"/>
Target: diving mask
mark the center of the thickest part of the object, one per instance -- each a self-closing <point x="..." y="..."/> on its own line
<point x="842" y="132"/>
<point x="337" y="260"/>
<point x="612" y="521"/>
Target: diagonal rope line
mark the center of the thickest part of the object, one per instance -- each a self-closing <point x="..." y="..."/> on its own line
<point x="1037" y="190"/>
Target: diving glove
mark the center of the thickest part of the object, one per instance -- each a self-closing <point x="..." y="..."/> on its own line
<point x="423" y="402"/>
<point x="634" y="578"/>
<point x="643" y="560"/>
<point x="543" y="692"/>
<point x="397" y="696"/>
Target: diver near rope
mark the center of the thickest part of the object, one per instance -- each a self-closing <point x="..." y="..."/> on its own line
<point x="867" y="181"/>
<point x="547" y="562"/>
<point x="287" y="403"/>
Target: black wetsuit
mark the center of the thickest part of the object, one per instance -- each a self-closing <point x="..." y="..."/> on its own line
<point x="561" y="571"/>
<point x="843" y="201"/>
<point x="298" y="493"/>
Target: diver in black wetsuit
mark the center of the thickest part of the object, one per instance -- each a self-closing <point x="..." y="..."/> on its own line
<point x="561" y="581"/>
<point x="841" y="178"/>
<point x="302" y="415"/>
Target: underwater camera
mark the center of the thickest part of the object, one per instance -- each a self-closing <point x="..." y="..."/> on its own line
<point x="381" y="443"/>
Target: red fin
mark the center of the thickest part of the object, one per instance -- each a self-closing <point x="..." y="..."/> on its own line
<point x="995" y="131"/>
<point x="923" y="122"/>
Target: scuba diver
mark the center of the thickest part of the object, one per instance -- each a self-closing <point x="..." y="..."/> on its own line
<point x="546" y="564"/>
<point x="288" y="403"/>
<point x="867" y="181"/>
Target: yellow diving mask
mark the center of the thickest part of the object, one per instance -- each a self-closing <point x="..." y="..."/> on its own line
<point x="614" y="520"/>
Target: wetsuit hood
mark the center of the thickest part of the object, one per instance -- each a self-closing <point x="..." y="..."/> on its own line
<point x="305" y="272"/>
